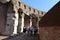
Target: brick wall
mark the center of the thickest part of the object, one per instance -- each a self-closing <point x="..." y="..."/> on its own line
<point x="49" y="33"/>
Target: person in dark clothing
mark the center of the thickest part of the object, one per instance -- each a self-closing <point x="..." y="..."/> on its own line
<point x="35" y="30"/>
<point x="24" y="30"/>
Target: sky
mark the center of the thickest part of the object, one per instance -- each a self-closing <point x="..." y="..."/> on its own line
<point x="43" y="5"/>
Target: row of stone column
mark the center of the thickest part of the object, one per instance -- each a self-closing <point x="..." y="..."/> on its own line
<point x="13" y="22"/>
<point x="32" y="22"/>
<point x="23" y="24"/>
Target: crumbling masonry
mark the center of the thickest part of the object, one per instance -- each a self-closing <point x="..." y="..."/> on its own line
<point x="14" y="15"/>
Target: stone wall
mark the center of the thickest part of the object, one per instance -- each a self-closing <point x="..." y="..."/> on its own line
<point x="4" y="1"/>
<point x="9" y="18"/>
<point x="9" y="15"/>
<point x="3" y="15"/>
<point x="26" y="9"/>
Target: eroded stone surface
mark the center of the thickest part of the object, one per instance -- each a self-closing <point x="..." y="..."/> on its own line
<point x="4" y="1"/>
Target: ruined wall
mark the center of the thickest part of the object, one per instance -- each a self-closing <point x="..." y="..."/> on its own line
<point x="4" y="1"/>
<point x="8" y="16"/>
<point x="28" y="9"/>
<point x="3" y="15"/>
<point x="12" y="18"/>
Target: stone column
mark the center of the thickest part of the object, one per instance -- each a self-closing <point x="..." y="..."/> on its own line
<point x="38" y="22"/>
<point x="38" y="19"/>
<point x="30" y="21"/>
<point x="22" y="23"/>
<point x="15" y="24"/>
<point x="15" y="7"/>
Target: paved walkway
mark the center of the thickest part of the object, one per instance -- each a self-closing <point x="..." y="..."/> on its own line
<point x="23" y="37"/>
<point x="3" y="37"/>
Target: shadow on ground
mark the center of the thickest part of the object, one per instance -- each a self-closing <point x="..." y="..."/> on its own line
<point x="23" y="37"/>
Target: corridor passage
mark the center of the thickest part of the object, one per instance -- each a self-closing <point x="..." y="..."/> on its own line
<point x="23" y="37"/>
